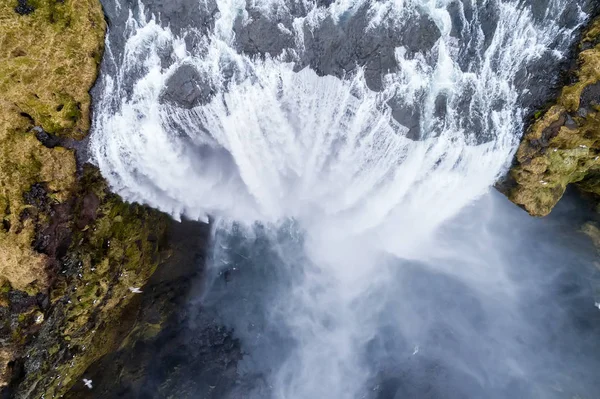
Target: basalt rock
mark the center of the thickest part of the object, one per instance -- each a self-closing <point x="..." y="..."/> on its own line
<point x="562" y="146"/>
<point x="186" y="88"/>
<point x="172" y="350"/>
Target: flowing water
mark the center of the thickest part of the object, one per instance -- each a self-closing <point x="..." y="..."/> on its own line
<point x="346" y="152"/>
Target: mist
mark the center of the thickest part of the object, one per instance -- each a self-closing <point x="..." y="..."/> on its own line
<point x="358" y="248"/>
<point x="496" y="304"/>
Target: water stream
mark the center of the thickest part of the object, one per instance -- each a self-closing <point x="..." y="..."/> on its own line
<point x="346" y="151"/>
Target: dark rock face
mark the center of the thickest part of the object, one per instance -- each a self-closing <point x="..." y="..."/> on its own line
<point x="47" y="139"/>
<point x="546" y="76"/>
<point x="337" y="48"/>
<point x="179" y="363"/>
<point x="182" y="14"/>
<point x="590" y="97"/>
<point x="171" y="351"/>
<point x="186" y="88"/>
<point x="261" y="35"/>
<point x="24" y="8"/>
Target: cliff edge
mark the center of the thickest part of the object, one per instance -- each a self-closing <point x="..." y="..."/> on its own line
<point x="562" y="146"/>
<point x="71" y="253"/>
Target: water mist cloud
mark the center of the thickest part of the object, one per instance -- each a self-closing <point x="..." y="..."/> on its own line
<point x="498" y="305"/>
<point x="362" y="263"/>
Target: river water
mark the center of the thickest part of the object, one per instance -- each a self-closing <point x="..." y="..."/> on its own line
<point x="346" y="153"/>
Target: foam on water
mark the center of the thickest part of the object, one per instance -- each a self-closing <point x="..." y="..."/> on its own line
<point x="275" y="144"/>
<point x="301" y="144"/>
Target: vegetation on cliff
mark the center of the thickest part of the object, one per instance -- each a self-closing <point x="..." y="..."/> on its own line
<point x="69" y="249"/>
<point x="562" y="146"/>
<point x="49" y="54"/>
<point x="114" y="247"/>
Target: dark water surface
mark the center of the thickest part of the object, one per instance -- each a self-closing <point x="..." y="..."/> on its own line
<point x="533" y="335"/>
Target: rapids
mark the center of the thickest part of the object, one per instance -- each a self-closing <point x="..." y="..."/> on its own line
<point x="346" y="151"/>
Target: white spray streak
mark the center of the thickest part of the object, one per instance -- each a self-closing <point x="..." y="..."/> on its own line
<point x="323" y="151"/>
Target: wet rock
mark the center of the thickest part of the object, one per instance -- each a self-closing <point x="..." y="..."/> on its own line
<point x="338" y="47"/>
<point x="170" y="351"/>
<point x="43" y="300"/>
<point x="408" y="116"/>
<point x="549" y="132"/>
<point x="38" y="196"/>
<point x="261" y="35"/>
<point x="89" y="211"/>
<point x="570" y="16"/>
<point x="570" y="123"/>
<point x="590" y="96"/>
<point x="441" y="105"/>
<point x="186" y="88"/>
<point x="561" y="147"/>
<point x="47" y="139"/>
<point x="180" y="15"/>
<point x="23" y="7"/>
<point x="20" y="301"/>
<point x="488" y="14"/>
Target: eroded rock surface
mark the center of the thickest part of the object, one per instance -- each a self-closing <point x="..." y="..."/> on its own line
<point x="49" y="54"/>
<point x="562" y="146"/>
<point x="70" y="251"/>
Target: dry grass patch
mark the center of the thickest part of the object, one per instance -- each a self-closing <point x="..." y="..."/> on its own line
<point x="48" y="62"/>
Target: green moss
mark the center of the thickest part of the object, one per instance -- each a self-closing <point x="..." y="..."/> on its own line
<point x="592" y="34"/>
<point x="48" y="62"/>
<point x="5" y="287"/>
<point x="117" y="250"/>
<point x="53" y="349"/>
<point x="562" y="146"/>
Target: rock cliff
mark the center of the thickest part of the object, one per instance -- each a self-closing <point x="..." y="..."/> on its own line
<point x="562" y="145"/>
<point x="71" y="252"/>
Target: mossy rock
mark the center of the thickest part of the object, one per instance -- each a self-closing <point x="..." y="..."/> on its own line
<point x="48" y="61"/>
<point x="115" y="246"/>
<point x="49" y="55"/>
<point x="69" y="249"/>
<point x="562" y="146"/>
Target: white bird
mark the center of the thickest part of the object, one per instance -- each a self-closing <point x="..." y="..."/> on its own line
<point x="597" y="304"/>
<point x="88" y="383"/>
<point x="135" y="290"/>
<point x="416" y="350"/>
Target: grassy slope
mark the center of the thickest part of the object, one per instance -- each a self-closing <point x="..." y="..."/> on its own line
<point x="69" y="249"/>
<point x="48" y="62"/>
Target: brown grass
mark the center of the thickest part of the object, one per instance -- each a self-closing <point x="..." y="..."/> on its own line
<point x="48" y="62"/>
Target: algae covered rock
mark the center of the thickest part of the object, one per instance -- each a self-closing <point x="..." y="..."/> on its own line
<point x="562" y="146"/>
<point x="70" y="251"/>
<point x="49" y="55"/>
<point x="114" y="248"/>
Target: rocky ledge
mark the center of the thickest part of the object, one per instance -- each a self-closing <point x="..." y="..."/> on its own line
<point x="562" y="145"/>
<point x="72" y="254"/>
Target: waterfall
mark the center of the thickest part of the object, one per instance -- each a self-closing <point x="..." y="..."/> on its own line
<point x="352" y="170"/>
<point x="273" y="142"/>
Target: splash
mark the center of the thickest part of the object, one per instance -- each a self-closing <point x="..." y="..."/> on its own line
<point x="290" y="142"/>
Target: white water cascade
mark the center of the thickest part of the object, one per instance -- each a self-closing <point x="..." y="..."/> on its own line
<point x="322" y="158"/>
